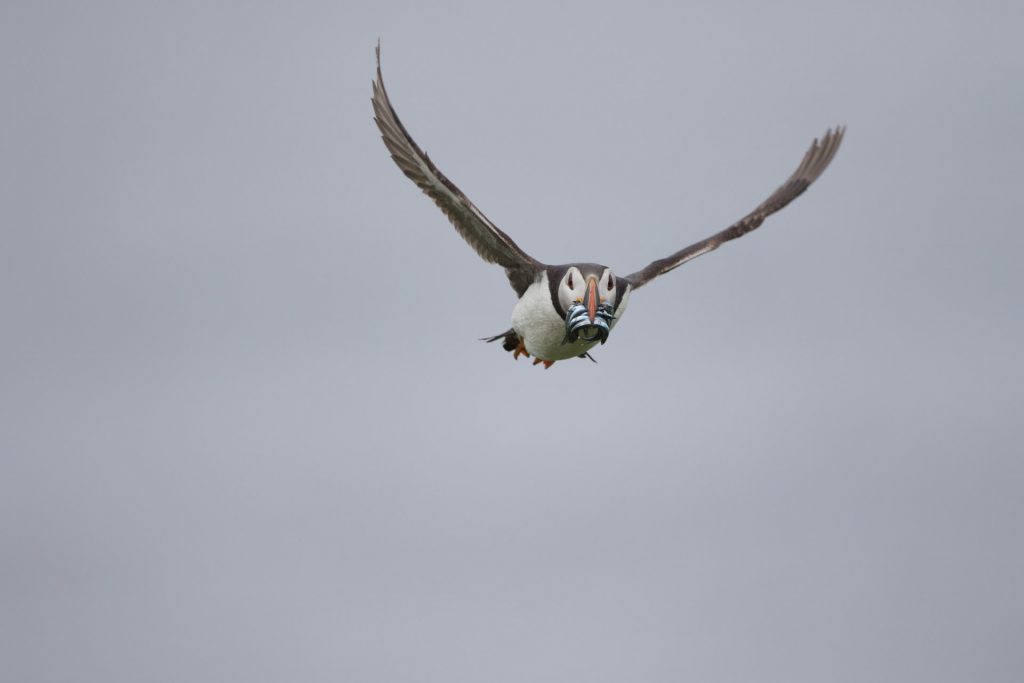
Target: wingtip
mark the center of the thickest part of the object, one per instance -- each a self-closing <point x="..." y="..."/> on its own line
<point x="837" y="137"/>
<point x="380" y="76"/>
<point x="834" y="133"/>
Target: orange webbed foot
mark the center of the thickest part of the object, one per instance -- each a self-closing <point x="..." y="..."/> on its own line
<point x="520" y="350"/>
<point x="547" y="363"/>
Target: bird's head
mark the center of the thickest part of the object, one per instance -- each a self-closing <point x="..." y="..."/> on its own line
<point x="587" y="295"/>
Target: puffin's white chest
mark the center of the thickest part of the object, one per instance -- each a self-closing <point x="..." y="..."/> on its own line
<point x="542" y="329"/>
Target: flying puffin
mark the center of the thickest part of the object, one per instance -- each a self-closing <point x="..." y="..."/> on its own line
<point x="564" y="311"/>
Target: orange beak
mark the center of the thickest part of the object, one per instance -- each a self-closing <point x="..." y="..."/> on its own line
<point x="590" y="298"/>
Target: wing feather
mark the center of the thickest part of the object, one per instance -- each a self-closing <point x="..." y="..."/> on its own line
<point x="814" y="163"/>
<point x="493" y="245"/>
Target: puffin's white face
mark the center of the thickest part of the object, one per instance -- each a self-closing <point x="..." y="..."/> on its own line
<point x="573" y="288"/>
<point x="588" y="301"/>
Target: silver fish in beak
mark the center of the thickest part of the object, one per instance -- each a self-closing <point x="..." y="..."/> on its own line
<point x="588" y="320"/>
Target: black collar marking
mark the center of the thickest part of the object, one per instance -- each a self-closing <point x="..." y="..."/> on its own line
<point x="555" y="275"/>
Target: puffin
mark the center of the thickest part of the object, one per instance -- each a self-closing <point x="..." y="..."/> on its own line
<point x="566" y="310"/>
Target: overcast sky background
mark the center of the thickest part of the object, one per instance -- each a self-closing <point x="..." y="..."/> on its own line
<point x="248" y="432"/>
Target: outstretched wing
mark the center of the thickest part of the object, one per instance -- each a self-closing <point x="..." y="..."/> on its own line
<point x="492" y="244"/>
<point x="815" y="161"/>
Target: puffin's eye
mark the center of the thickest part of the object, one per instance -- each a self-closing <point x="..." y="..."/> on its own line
<point x="611" y="283"/>
<point x="570" y="282"/>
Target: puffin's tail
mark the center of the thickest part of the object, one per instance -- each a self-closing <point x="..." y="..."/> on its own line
<point x="510" y="340"/>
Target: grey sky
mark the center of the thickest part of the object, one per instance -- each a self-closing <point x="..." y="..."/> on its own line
<point x="248" y="432"/>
